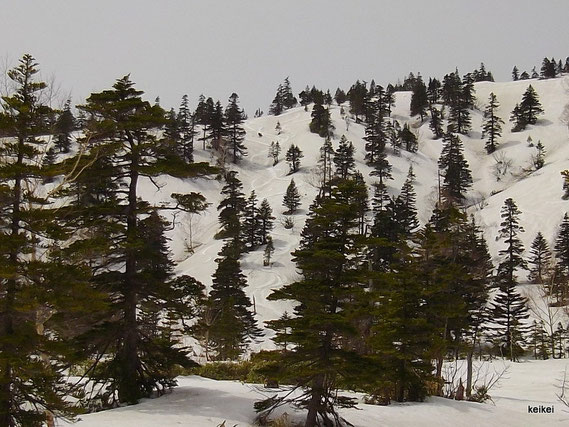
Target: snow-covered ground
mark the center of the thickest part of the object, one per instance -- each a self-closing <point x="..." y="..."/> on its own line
<point x="538" y="194"/>
<point x="198" y="402"/>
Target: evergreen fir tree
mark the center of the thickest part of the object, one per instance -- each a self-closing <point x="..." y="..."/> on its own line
<point x="419" y="99"/>
<point x="492" y="126"/>
<point x="186" y="123"/>
<point x="203" y="117"/>
<point x="405" y="208"/>
<point x="436" y="123"/>
<point x="234" y="326"/>
<point x="231" y="207"/>
<point x="509" y="309"/>
<point x="562" y="245"/>
<point x="35" y="281"/>
<point x="433" y="91"/>
<point x="548" y="68"/>
<point x="293" y="156"/>
<point x="515" y="74"/>
<point x="250" y="226"/>
<point x="268" y="252"/>
<point x="530" y="106"/>
<point x="217" y="127"/>
<point x="344" y="159"/>
<point x="457" y="177"/>
<point x="327" y="153"/>
<point x="291" y="199"/>
<point x="325" y="293"/>
<point x="265" y="219"/>
<point x="382" y="168"/>
<point x="524" y="76"/>
<point x="357" y="96"/>
<point x="321" y="122"/>
<point x="408" y="139"/>
<point x="122" y="127"/>
<point x="540" y="257"/>
<point x="234" y="118"/>
<point x="340" y="96"/>
<point x="64" y="126"/>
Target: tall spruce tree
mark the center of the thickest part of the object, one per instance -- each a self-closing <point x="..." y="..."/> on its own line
<point x="231" y="207"/>
<point x="325" y="293"/>
<point x="293" y="156"/>
<point x="234" y="118"/>
<point x="321" y="122"/>
<point x="265" y="219"/>
<point x="291" y="199"/>
<point x="562" y="245"/>
<point x="36" y="280"/>
<point x="344" y="159"/>
<point x="124" y="129"/>
<point x="419" y="99"/>
<point x="509" y="309"/>
<point x="186" y="123"/>
<point x="492" y="126"/>
<point x="540" y="257"/>
<point x="250" y="226"/>
<point x="234" y="325"/>
<point x="457" y="176"/>
<point x="64" y="127"/>
<point x="527" y="111"/>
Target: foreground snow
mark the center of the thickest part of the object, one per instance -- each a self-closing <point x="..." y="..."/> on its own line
<point x="199" y="402"/>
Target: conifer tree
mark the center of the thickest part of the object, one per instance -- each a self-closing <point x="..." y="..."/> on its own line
<point x="186" y="123"/>
<point x="527" y="111"/>
<point x="382" y="168"/>
<point x="265" y="219"/>
<point x="321" y="122"/>
<point x="293" y="156"/>
<point x="436" y="123"/>
<point x="234" y="118"/>
<point x="433" y="91"/>
<point x="344" y="159"/>
<point x="123" y="129"/>
<point x="515" y="73"/>
<point x="325" y="293"/>
<point x="540" y="257"/>
<point x="419" y="98"/>
<point x="492" y="126"/>
<point x="217" y="127"/>
<point x="251" y="226"/>
<point x="234" y="326"/>
<point x="64" y="126"/>
<point x="203" y="117"/>
<point x="408" y="139"/>
<point x="268" y="252"/>
<point x="562" y="246"/>
<point x="291" y="199"/>
<point x="35" y="280"/>
<point x="509" y="309"/>
<point x="231" y="207"/>
<point x="457" y="177"/>
<point x="340" y="96"/>
<point x="357" y="96"/>
<point x="325" y="161"/>
<point x="375" y="132"/>
<point x="405" y="208"/>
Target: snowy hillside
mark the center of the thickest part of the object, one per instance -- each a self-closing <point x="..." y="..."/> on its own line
<point x="201" y="402"/>
<point x="538" y="194"/>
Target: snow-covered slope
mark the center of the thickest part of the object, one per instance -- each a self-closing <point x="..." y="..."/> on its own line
<point x="200" y="402"/>
<point x="537" y="193"/>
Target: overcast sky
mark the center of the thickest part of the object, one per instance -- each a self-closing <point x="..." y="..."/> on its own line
<point x="176" y="47"/>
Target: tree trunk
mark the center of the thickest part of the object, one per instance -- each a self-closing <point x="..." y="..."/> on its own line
<point x="315" y="401"/>
<point x="129" y="387"/>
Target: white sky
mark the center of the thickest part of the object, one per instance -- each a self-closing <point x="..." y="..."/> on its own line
<point x="216" y="47"/>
